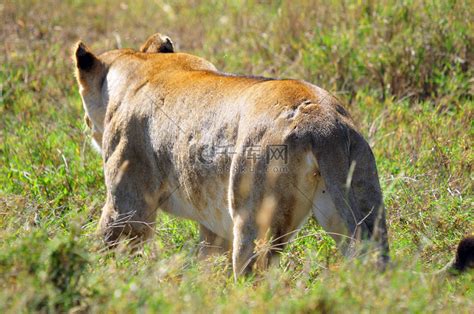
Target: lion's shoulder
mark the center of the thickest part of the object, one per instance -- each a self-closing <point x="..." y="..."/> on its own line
<point x="179" y="61"/>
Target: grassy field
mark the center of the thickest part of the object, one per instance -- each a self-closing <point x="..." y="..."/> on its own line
<point x="404" y="69"/>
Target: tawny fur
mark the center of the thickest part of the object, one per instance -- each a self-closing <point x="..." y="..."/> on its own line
<point x="160" y="119"/>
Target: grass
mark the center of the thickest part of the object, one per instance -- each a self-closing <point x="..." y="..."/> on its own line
<point x="403" y="69"/>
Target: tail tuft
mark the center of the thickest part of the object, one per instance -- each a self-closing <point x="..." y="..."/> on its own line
<point x="465" y="255"/>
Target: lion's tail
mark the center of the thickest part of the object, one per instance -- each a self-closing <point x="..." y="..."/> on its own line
<point x="347" y="165"/>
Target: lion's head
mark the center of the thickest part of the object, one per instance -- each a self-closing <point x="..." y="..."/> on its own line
<point x="91" y="71"/>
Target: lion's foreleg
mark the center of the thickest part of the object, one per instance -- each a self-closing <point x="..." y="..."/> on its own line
<point x="132" y="198"/>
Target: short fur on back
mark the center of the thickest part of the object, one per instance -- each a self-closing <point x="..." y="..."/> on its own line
<point x="248" y="158"/>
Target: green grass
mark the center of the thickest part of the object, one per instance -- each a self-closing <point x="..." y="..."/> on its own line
<point x="403" y="69"/>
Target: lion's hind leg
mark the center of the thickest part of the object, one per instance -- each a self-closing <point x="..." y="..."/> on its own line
<point x="267" y="209"/>
<point x="211" y="244"/>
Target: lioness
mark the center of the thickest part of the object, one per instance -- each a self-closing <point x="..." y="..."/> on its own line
<point x="248" y="158"/>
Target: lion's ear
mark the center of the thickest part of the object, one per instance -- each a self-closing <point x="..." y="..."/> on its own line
<point x="167" y="46"/>
<point x="85" y="60"/>
<point x="158" y="43"/>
